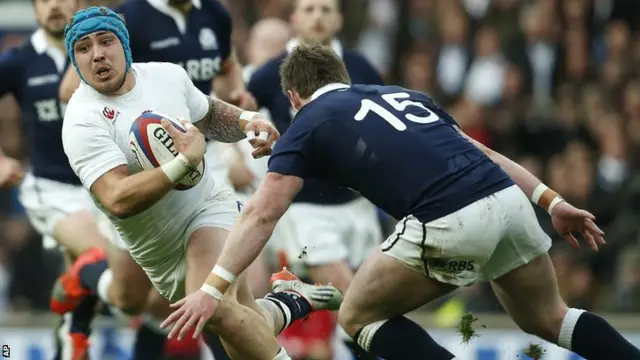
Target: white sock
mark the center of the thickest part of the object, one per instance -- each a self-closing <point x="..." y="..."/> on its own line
<point x="568" y="324"/>
<point x="276" y="309"/>
<point x="367" y="333"/>
<point x="104" y="283"/>
<point x="282" y="355"/>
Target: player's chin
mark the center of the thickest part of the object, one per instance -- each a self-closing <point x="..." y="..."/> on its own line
<point x="107" y="82"/>
<point x="56" y="28"/>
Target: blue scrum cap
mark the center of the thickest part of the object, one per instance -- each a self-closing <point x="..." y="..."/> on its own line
<point x="94" y="19"/>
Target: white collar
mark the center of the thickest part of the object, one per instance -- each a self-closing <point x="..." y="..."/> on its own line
<point x="177" y="16"/>
<point x="42" y="46"/>
<point x="327" y="88"/>
<point x="336" y="45"/>
<point x="39" y="42"/>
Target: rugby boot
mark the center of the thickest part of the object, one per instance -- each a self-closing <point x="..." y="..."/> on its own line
<point x="320" y="297"/>
<point x="68" y="290"/>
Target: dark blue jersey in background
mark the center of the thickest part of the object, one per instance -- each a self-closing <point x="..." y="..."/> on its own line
<point x="265" y="87"/>
<point x="199" y="41"/>
<point x="392" y="145"/>
<point x="32" y="73"/>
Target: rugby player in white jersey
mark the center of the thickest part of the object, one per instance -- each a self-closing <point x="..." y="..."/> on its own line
<point x="175" y="236"/>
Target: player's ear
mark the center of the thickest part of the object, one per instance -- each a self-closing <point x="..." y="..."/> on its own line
<point x="294" y="99"/>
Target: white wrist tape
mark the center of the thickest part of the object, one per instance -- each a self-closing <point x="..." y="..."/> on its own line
<point x="248" y="115"/>
<point x="224" y="274"/>
<point x="557" y="200"/>
<point x="211" y="290"/>
<point x="177" y="168"/>
<point x="537" y="193"/>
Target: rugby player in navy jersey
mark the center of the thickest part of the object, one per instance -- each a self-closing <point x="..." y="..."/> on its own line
<point x="465" y="211"/>
<point x="196" y="34"/>
<point x="57" y="205"/>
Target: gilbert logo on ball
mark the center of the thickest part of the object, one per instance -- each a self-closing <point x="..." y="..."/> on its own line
<point x="152" y="146"/>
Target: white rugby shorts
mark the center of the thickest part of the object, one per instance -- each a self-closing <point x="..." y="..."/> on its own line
<point x="311" y="234"/>
<point x="47" y="201"/>
<point x="481" y="241"/>
<point x="166" y="265"/>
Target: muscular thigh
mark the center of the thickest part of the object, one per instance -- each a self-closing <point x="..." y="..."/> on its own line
<point x="531" y="297"/>
<point x="383" y="288"/>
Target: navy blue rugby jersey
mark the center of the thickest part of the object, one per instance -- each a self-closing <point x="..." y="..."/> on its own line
<point x="32" y="73"/>
<point x="264" y="84"/>
<point x="390" y="144"/>
<point x="199" y="41"/>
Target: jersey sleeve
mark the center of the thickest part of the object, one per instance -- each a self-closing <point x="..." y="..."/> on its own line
<point x="10" y="71"/>
<point x="90" y="147"/>
<point x="197" y="101"/>
<point x="293" y="153"/>
<point x="224" y="24"/>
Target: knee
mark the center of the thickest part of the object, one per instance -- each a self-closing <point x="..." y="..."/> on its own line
<point x="223" y="320"/>
<point x="129" y="299"/>
<point x="350" y="321"/>
<point x="547" y="325"/>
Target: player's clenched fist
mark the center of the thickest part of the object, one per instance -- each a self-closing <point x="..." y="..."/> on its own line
<point x="11" y="173"/>
<point x="262" y="134"/>
<point x="190" y="143"/>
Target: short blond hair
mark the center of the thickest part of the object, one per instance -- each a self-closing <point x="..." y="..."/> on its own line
<point x="311" y="66"/>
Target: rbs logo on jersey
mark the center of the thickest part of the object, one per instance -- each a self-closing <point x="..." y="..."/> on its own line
<point x="202" y="70"/>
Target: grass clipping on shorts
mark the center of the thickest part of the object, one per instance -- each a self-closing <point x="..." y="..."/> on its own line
<point x="534" y="351"/>
<point x="465" y="327"/>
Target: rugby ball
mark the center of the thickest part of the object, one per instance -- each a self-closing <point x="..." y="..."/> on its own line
<point x="152" y="146"/>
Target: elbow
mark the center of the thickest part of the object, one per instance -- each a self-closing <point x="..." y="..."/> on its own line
<point x="117" y="207"/>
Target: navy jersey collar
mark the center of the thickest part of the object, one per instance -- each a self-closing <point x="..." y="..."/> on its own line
<point x="179" y="18"/>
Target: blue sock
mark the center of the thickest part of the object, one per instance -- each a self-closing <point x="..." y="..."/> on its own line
<point x="215" y="345"/>
<point x="400" y="339"/>
<point x="90" y="274"/>
<point x="292" y="305"/>
<point x="593" y="338"/>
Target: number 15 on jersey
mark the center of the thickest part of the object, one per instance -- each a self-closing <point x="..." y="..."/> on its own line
<point x="396" y="102"/>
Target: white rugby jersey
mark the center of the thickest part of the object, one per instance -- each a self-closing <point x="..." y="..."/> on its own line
<point x="95" y="136"/>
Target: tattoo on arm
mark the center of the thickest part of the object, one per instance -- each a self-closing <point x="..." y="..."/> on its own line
<point x="222" y="122"/>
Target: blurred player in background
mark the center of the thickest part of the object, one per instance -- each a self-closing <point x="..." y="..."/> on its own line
<point x="331" y="230"/>
<point x="465" y="211"/>
<point x="197" y="36"/>
<point x="57" y="205"/>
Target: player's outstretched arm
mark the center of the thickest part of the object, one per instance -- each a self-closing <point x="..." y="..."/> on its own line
<point x="254" y="228"/>
<point x="566" y="219"/>
<point x="531" y="185"/>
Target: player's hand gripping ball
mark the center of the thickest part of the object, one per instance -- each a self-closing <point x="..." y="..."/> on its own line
<point x="153" y="146"/>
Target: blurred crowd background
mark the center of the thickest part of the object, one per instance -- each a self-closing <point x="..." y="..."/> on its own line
<point x="553" y="84"/>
